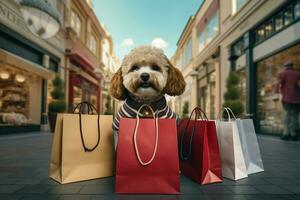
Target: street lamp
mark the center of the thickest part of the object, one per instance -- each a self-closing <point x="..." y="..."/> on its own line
<point x="41" y="17"/>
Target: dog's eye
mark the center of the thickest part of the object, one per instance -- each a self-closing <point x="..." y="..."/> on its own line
<point x="155" y="68"/>
<point x="134" y="68"/>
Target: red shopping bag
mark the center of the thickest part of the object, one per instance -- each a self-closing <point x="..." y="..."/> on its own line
<point x="147" y="156"/>
<point x="199" y="150"/>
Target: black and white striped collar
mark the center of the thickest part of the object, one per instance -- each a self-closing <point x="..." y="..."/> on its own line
<point x="160" y="104"/>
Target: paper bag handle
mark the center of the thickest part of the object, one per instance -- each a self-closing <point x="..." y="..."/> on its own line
<point x="135" y="136"/>
<point x="91" y="107"/>
<point x="231" y="112"/>
<point x="198" y="111"/>
<point x="220" y="117"/>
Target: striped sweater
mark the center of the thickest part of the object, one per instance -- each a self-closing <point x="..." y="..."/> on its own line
<point x="130" y="107"/>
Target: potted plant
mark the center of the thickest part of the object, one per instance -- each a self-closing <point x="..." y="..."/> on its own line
<point x="185" y="109"/>
<point x="57" y="105"/>
<point x="108" y="108"/>
<point x="233" y="97"/>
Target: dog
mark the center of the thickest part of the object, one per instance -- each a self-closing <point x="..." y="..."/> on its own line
<point x="144" y="77"/>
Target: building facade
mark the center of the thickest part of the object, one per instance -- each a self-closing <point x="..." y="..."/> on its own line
<point x="253" y="37"/>
<point x="27" y="66"/>
<point x="80" y="53"/>
<point x="86" y="38"/>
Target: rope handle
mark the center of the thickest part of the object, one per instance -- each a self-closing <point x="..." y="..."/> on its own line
<point x="91" y="107"/>
<point x="135" y="136"/>
<point x="198" y="112"/>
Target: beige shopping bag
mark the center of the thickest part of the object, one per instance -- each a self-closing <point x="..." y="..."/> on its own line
<point x="76" y="153"/>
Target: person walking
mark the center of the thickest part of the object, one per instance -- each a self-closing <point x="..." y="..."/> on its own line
<point x="289" y="86"/>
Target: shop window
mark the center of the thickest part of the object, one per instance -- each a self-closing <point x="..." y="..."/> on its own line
<point x="243" y="86"/>
<point x="76" y="23"/>
<point x="14" y="98"/>
<point x="287" y="17"/>
<point x="92" y="44"/>
<point x="297" y="10"/>
<point x="77" y="98"/>
<point x="268" y="28"/>
<point x="239" y="47"/>
<point x="278" y="22"/>
<point x="269" y="105"/>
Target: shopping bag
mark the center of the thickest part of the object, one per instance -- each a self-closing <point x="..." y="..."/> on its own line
<point x="233" y="161"/>
<point x="199" y="149"/>
<point x="82" y="147"/>
<point x="147" y="156"/>
<point x="249" y="144"/>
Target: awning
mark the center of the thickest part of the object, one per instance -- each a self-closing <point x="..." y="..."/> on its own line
<point x="10" y="59"/>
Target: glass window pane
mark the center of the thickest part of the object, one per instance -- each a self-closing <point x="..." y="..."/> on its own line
<point x="268" y="28"/>
<point x="187" y="52"/>
<point x="239" y="47"/>
<point x="288" y="16"/>
<point x="201" y="40"/>
<point x="260" y="34"/>
<point x="297" y="10"/>
<point x="278" y="22"/>
<point x="212" y="28"/>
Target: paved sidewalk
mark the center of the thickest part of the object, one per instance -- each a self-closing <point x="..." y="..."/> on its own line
<point x="24" y="165"/>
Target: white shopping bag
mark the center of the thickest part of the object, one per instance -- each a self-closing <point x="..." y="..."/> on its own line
<point x="249" y="144"/>
<point x="233" y="161"/>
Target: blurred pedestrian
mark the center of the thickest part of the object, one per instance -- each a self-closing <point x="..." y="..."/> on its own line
<point x="289" y="86"/>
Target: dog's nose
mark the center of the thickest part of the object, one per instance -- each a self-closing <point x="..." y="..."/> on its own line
<point x="145" y="76"/>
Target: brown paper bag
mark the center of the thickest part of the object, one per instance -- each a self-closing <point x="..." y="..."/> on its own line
<point x="76" y="156"/>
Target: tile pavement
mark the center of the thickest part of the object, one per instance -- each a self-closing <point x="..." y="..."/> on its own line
<point x="24" y="166"/>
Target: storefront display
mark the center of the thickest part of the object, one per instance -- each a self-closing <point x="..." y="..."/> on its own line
<point x="269" y="105"/>
<point x="14" y="97"/>
<point x="82" y="89"/>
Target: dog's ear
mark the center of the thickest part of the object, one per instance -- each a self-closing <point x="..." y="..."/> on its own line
<point x="175" y="82"/>
<point x="117" y="88"/>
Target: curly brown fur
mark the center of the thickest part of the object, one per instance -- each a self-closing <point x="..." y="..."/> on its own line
<point x="163" y="77"/>
<point x="175" y="82"/>
<point x="117" y="88"/>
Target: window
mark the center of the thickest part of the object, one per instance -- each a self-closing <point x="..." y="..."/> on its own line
<point x="260" y="34"/>
<point x="187" y="55"/>
<point x="278" y="22"/>
<point x="239" y="47"/>
<point x="209" y="32"/>
<point x="288" y="16"/>
<point x="237" y="5"/>
<point x="201" y="39"/>
<point x="212" y="27"/>
<point x="269" y="28"/>
<point x="92" y="44"/>
<point x="283" y="18"/>
<point x="297" y="10"/>
<point x="76" y="23"/>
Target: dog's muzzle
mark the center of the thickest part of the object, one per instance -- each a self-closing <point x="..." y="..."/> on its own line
<point x="145" y="78"/>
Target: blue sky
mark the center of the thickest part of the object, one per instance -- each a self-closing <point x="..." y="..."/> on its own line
<point x="136" y="22"/>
